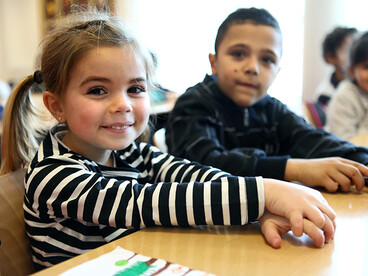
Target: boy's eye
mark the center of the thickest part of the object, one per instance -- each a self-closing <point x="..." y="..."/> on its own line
<point x="237" y="54"/>
<point x="269" y="60"/>
<point x="136" y="89"/>
<point x="97" y="91"/>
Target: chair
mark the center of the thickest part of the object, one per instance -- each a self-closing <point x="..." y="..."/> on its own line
<point x="159" y="139"/>
<point x="314" y="114"/>
<point x="15" y="251"/>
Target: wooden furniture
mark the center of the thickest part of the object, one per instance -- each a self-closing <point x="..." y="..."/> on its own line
<point x="242" y="250"/>
<point x="360" y="140"/>
<point x="15" y="251"/>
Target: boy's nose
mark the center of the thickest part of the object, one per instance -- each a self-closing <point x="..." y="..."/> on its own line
<point x="251" y="66"/>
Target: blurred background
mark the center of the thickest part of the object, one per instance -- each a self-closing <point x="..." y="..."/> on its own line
<point x="182" y="34"/>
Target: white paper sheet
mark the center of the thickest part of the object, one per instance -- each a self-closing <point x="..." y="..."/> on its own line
<point x="124" y="262"/>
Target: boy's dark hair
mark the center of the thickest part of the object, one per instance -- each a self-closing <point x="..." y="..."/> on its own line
<point x="335" y="39"/>
<point x="240" y="16"/>
<point x="359" y="50"/>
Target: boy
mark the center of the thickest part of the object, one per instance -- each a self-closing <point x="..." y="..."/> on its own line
<point x="335" y="50"/>
<point x="228" y="121"/>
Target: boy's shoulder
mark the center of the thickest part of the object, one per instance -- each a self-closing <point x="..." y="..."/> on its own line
<point x="205" y="94"/>
<point x="206" y="88"/>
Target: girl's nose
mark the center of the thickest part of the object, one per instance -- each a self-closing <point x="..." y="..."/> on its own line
<point x="121" y="103"/>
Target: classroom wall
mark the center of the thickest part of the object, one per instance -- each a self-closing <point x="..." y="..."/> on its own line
<point x="19" y="38"/>
<point x="319" y="19"/>
<point x="20" y="33"/>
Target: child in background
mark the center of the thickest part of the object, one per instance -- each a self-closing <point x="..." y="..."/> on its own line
<point x="228" y="121"/>
<point x="335" y="49"/>
<point x="347" y="114"/>
<point x="91" y="182"/>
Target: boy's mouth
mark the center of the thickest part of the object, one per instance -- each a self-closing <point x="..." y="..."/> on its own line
<point x="248" y="85"/>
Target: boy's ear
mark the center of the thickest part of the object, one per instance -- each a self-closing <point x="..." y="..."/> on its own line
<point x="53" y="104"/>
<point x="213" y="62"/>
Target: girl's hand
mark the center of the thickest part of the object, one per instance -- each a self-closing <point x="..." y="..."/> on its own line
<point x="273" y="226"/>
<point x="330" y="173"/>
<point x="303" y="208"/>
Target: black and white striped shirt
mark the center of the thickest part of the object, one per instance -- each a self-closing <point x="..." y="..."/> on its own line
<point x="73" y="204"/>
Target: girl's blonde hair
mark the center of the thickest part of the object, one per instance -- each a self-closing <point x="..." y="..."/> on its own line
<point x="61" y="49"/>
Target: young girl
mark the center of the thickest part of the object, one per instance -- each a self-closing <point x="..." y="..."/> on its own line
<point x="91" y="182"/>
<point x="347" y="113"/>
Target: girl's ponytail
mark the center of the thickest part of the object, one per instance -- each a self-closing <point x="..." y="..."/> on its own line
<point x="21" y="128"/>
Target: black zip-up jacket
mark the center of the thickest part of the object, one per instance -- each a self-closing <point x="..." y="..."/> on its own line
<point x="208" y="127"/>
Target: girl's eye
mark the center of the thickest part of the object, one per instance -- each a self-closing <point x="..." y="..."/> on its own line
<point x="136" y="89"/>
<point x="96" y="91"/>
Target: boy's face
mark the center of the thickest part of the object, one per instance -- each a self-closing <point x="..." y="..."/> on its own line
<point x="247" y="61"/>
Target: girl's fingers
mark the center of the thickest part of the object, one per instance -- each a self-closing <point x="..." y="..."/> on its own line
<point x="320" y="236"/>
<point x="271" y="234"/>
<point x="314" y="232"/>
<point x="296" y="221"/>
<point x="329" y="229"/>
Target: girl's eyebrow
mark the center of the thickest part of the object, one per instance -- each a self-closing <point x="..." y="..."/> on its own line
<point x="94" y="78"/>
<point x="103" y="79"/>
<point x="137" y="80"/>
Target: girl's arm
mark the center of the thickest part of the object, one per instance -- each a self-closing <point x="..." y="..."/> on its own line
<point x="64" y="188"/>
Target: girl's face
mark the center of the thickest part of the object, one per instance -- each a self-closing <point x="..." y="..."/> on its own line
<point x="360" y="74"/>
<point x="106" y="104"/>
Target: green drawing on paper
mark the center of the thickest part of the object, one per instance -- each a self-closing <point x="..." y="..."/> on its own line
<point x="121" y="263"/>
<point x="137" y="269"/>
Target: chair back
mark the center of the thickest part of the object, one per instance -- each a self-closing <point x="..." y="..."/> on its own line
<point x="15" y="250"/>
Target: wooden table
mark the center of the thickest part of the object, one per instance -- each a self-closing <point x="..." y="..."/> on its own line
<point x="242" y="250"/>
<point x="360" y="140"/>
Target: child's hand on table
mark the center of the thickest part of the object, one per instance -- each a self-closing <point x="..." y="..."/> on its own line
<point x="296" y="208"/>
<point x="330" y="173"/>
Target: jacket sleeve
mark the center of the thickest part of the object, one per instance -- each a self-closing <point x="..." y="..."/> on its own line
<point x="185" y="194"/>
<point x="194" y="133"/>
<point x="302" y="140"/>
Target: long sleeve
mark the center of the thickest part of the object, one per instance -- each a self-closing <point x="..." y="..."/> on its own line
<point x="72" y="202"/>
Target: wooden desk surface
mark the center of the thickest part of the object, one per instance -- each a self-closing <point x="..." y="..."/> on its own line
<point x="360" y="140"/>
<point x="242" y="250"/>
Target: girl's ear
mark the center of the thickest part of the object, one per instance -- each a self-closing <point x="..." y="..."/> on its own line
<point x="213" y="62"/>
<point x="53" y="104"/>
